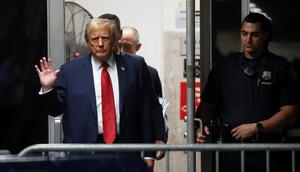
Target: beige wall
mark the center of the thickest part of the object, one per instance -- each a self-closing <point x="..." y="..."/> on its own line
<point x="173" y="70"/>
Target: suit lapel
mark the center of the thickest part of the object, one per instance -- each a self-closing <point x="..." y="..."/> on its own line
<point x="87" y="73"/>
<point x="122" y="80"/>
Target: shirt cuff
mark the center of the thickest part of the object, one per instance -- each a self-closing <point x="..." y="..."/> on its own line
<point x="41" y="92"/>
<point x="150" y="158"/>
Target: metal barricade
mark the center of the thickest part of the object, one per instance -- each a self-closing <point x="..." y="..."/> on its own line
<point x="92" y="148"/>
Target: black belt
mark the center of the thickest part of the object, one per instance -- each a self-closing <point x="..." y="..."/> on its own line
<point x="101" y="140"/>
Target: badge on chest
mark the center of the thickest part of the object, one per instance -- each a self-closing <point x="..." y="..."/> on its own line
<point x="266" y="78"/>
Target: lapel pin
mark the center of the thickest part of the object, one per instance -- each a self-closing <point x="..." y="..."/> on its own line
<point x="122" y="68"/>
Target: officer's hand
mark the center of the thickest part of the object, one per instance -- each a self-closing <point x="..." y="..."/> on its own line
<point x="244" y="131"/>
<point x="200" y="138"/>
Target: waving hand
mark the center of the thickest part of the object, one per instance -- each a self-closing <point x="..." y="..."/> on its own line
<point x="46" y="73"/>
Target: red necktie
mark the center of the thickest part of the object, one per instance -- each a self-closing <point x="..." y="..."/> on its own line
<point x="108" y="107"/>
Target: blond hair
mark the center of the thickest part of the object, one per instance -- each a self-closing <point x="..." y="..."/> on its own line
<point x="97" y="23"/>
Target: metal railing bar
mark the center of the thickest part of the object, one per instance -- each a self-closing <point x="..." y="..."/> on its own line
<point x="242" y="161"/>
<point x="217" y="161"/>
<point x="293" y="161"/>
<point x="153" y="147"/>
<point x="168" y="161"/>
<point x="267" y="161"/>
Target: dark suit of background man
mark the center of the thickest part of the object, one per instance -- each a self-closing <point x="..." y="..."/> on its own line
<point x="254" y="97"/>
<point x="72" y="90"/>
<point x="130" y="43"/>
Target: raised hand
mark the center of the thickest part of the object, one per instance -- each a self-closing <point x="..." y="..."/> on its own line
<point x="46" y="74"/>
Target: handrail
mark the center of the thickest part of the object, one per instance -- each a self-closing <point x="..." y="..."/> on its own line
<point x="152" y="147"/>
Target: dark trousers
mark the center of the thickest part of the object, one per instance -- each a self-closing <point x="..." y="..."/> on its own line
<point x="117" y="140"/>
<point x="231" y="162"/>
<point x="255" y="161"/>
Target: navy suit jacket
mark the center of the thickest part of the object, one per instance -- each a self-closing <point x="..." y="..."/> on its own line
<point x="74" y="96"/>
<point x="158" y="124"/>
<point x="155" y="81"/>
<point x="158" y="121"/>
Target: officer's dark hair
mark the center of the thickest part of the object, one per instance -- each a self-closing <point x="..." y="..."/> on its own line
<point x="112" y="17"/>
<point x="266" y="24"/>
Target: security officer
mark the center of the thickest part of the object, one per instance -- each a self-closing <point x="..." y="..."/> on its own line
<point x="252" y="94"/>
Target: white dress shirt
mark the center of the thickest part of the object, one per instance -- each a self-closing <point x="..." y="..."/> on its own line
<point x="113" y="72"/>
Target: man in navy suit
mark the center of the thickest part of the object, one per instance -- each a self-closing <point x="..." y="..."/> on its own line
<point x="129" y="43"/>
<point x="74" y="90"/>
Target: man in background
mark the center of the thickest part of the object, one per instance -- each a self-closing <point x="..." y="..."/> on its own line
<point x="130" y="43"/>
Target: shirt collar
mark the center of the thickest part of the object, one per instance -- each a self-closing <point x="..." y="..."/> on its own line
<point x="242" y="59"/>
<point x="97" y="64"/>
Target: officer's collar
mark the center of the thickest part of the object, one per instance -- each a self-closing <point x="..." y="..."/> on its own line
<point x="242" y="59"/>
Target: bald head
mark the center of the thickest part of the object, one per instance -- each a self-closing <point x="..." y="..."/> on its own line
<point x="130" y="42"/>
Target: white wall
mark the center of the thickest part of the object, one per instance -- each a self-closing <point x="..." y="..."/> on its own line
<point x="145" y="15"/>
<point x="150" y="17"/>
